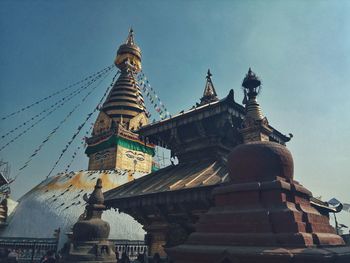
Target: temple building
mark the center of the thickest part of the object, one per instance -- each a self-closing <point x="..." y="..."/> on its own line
<point x="175" y="202"/>
<point x="169" y="202"/>
<point x="176" y="207"/>
<point x="116" y="154"/>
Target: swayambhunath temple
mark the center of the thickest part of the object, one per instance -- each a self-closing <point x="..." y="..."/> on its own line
<point x="213" y="183"/>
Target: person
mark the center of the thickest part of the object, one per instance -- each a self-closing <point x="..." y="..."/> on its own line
<point x="50" y="257"/>
<point x="3" y="255"/>
<point x="140" y="259"/>
<point x="124" y="259"/>
<point x="12" y="257"/>
<point x="156" y="258"/>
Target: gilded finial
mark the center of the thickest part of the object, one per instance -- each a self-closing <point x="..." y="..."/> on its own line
<point x="130" y="38"/>
<point x="250" y="72"/>
<point x="129" y="54"/>
<point x="251" y="83"/>
<point x="209" y="75"/>
<point x="209" y="94"/>
<point x="255" y="126"/>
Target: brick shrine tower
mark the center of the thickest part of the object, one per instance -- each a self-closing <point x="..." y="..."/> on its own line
<point x="262" y="214"/>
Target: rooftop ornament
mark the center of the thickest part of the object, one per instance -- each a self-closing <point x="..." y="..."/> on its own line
<point x="255" y="126"/>
<point x="209" y="94"/>
<point x="129" y="54"/>
<point x="251" y="84"/>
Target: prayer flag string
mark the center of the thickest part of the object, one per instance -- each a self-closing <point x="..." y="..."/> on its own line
<point x="57" y="92"/>
<point x="81" y="126"/>
<point x="80" y="146"/>
<point x="48" y="114"/>
<point x="152" y="96"/>
<point x="37" y="150"/>
<point x="59" y="102"/>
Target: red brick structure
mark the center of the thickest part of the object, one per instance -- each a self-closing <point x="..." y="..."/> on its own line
<point x="262" y="215"/>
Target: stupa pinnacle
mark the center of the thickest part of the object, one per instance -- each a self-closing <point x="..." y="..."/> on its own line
<point x="255" y="126"/>
<point x="252" y="86"/>
<point x="125" y="101"/>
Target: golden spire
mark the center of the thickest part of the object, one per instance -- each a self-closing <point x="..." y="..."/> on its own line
<point x="130" y="40"/>
<point x="125" y="100"/>
<point x="129" y="54"/>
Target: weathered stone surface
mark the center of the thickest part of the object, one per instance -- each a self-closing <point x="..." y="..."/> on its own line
<point x="260" y="161"/>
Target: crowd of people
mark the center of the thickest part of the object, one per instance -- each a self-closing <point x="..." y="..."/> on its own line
<point x="9" y="255"/>
<point x="12" y="256"/>
<point x="141" y="258"/>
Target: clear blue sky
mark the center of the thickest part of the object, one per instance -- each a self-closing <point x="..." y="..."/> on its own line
<point x="300" y="49"/>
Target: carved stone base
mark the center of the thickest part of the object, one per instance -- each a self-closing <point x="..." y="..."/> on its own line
<point x="90" y="251"/>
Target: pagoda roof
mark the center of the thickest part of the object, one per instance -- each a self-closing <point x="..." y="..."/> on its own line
<point x="174" y="178"/>
<point x="195" y="110"/>
<point x="192" y="174"/>
<point x="200" y="112"/>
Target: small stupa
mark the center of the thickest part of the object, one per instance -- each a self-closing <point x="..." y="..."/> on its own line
<point x="89" y="241"/>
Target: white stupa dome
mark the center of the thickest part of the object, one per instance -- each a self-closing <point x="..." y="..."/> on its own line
<point x="57" y="202"/>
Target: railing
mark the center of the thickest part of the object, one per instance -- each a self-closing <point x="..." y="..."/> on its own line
<point x="28" y="249"/>
<point x="31" y="250"/>
<point x="131" y="247"/>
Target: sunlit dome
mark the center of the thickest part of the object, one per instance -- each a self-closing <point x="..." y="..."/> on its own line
<point x="57" y="202"/>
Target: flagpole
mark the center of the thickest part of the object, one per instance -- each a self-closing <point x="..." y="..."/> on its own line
<point x="336" y="224"/>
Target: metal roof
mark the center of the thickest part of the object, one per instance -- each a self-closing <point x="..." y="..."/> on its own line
<point x="188" y="175"/>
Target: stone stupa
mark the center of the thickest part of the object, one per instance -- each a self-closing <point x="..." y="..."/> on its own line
<point x="89" y="241"/>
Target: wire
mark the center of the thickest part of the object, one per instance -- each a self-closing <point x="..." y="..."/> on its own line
<point x="77" y="149"/>
<point x="152" y="96"/>
<point x="48" y="114"/>
<point x="62" y="100"/>
<point x="56" y="93"/>
<point x="80" y="127"/>
<point x="56" y="128"/>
